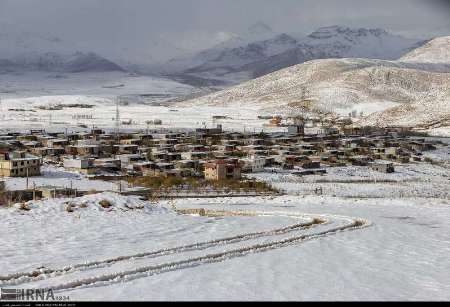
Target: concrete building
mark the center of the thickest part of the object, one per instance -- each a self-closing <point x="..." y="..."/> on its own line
<point x="221" y="170"/>
<point x="80" y="165"/>
<point x="19" y="164"/>
<point x="253" y="164"/>
<point x="383" y="167"/>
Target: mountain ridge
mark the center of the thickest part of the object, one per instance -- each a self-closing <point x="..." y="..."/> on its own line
<point x="389" y="92"/>
<point x="258" y="58"/>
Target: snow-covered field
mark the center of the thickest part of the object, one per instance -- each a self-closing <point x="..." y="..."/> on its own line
<point x="23" y="95"/>
<point x="399" y="254"/>
<point x="105" y="84"/>
<point x="58" y="177"/>
<point x="412" y="180"/>
<point x="104" y="111"/>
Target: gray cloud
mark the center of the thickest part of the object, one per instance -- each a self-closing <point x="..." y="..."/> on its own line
<point x="119" y="22"/>
<point x="150" y="16"/>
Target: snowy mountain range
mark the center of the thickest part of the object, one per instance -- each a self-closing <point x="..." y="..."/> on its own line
<point x="237" y="57"/>
<point x="413" y="90"/>
<point x="22" y="50"/>
<point x="244" y="61"/>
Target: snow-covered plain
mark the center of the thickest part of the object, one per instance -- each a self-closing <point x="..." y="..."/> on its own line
<point x="103" y="115"/>
<point x="22" y="95"/>
<point x="400" y="255"/>
<point x="104" y="84"/>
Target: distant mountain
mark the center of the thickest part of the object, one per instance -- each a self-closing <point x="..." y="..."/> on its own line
<point x="56" y="62"/>
<point x="254" y="59"/>
<point x="402" y="92"/>
<point x="26" y="51"/>
<point x="228" y="60"/>
<point x="338" y="42"/>
<point x="88" y="62"/>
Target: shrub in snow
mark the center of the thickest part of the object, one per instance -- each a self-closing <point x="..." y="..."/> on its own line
<point x="105" y="203"/>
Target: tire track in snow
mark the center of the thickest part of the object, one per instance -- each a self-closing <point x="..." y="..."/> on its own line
<point x="108" y="279"/>
<point x="47" y="273"/>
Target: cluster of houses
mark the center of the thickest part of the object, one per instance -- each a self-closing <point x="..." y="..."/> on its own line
<point x="211" y="153"/>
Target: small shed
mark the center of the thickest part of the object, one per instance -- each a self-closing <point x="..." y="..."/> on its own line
<point x="382" y="167"/>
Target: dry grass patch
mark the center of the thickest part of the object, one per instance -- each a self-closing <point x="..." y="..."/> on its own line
<point x="359" y="223"/>
<point x="83" y="205"/>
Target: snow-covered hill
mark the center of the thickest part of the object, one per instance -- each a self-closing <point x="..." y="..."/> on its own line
<point x="395" y="92"/>
<point x="435" y="51"/>
<point x="248" y="60"/>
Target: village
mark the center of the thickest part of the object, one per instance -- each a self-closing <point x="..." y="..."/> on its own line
<point x="201" y="160"/>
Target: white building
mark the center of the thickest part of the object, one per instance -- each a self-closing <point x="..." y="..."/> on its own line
<point x="85" y="166"/>
<point x="254" y="164"/>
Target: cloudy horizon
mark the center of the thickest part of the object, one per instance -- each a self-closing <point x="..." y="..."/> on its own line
<point x="170" y="25"/>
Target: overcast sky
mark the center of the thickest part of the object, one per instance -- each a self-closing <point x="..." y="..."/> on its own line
<point x="110" y="21"/>
<point x="73" y="16"/>
<point x="100" y="16"/>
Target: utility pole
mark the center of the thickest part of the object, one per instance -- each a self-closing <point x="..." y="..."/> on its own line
<point x="117" y="117"/>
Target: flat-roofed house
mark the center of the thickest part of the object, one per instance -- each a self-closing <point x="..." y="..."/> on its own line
<point x="382" y="166"/>
<point x="80" y="165"/>
<point x="221" y="170"/>
<point x="19" y="164"/>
